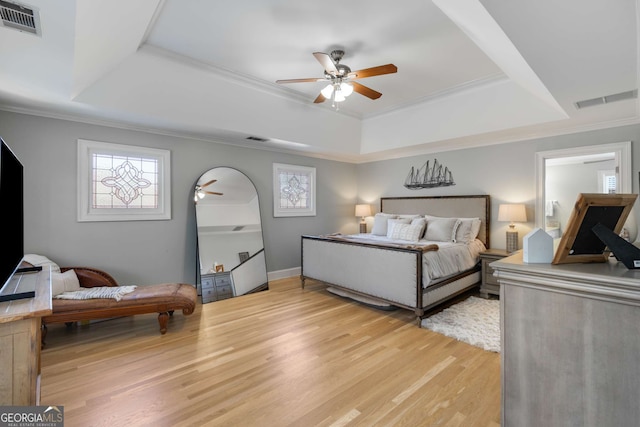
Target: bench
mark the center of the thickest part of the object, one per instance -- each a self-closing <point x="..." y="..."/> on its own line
<point x="163" y="299"/>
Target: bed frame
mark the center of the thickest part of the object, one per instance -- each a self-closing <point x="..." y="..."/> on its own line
<point x="392" y="276"/>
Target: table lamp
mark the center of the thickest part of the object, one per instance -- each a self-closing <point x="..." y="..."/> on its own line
<point x="512" y="213"/>
<point x="363" y="211"/>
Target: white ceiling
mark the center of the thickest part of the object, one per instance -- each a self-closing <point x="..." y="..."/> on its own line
<point x="470" y="72"/>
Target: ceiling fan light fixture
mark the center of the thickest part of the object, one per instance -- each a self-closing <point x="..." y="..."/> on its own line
<point x="327" y="91"/>
<point x="338" y="75"/>
<point x="346" y="89"/>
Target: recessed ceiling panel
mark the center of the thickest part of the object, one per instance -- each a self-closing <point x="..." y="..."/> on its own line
<point x="272" y="40"/>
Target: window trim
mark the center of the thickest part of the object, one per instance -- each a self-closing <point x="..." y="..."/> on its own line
<point x="87" y="148"/>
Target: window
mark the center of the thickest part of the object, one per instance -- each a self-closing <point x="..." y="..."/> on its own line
<point x="122" y="182"/>
<point x="607" y="181"/>
<point x="294" y="190"/>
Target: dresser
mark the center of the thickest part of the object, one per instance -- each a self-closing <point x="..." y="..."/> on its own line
<point x="20" y="341"/>
<point x="217" y="286"/>
<point x="570" y="347"/>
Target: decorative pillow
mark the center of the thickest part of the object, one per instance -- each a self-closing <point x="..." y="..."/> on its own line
<point x="468" y="229"/>
<point x="405" y="232"/>
<point x="41" y="261"/>
<point x="380" y="223"/>
<point x="395" y="221"/>
<point x="441" y="229"/>
<point x="64" y="282"/>
<point x="422" y="223"/>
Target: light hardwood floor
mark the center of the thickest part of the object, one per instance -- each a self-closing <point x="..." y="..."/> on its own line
<point x="284" y="357"/>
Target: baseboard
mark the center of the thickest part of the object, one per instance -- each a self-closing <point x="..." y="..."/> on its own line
<point x="283" y="274"/>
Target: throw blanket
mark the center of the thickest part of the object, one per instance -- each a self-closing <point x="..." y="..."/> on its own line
<point x="115" y="292"/>
<point x="347" y="238"/>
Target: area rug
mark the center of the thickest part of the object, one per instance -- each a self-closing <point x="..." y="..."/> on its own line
<point x="475" y="321"/>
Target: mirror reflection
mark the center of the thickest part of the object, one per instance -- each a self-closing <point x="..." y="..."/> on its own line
<point x="563" y="174"/>
<point x="566" y="177"/>
<point x="231" y="257"/>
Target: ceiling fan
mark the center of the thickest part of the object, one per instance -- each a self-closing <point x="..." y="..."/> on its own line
<point x="340" y="78"/>
<point x="200" y="193"/>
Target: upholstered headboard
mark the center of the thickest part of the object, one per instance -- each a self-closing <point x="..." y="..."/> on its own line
<point x="446" y="206"/>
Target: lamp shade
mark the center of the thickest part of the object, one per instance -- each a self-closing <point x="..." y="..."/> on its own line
<point x="512" y="213"/>
<point x="363" y="210"/>
<point x="346" y="89"/>
<point x="327" y="91"/>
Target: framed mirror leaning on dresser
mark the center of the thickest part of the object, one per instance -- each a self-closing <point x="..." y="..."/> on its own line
<point x="231" y="258"/>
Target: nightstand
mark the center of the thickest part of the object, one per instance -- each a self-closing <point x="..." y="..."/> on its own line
<point x="216" y="286"/>
<point x="490" y="285"/>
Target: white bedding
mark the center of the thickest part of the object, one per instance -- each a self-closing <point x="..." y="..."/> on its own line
<point x="450" y="258"/>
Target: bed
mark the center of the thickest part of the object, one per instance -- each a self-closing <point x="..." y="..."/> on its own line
<point x="380" y="269"/>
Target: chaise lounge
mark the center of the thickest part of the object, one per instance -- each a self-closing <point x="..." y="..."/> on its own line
<point x="163" y="299"/>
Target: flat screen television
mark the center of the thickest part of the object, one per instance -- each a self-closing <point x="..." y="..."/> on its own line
<point x="11" y="199"/>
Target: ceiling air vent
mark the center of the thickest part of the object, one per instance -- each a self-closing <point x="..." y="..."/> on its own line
<point x="257" y="138"/>
<point x="631" y="94"/>
<point x="20" y="17"/>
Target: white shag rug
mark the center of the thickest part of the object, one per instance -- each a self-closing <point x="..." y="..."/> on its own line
<point x="475" y="321"/>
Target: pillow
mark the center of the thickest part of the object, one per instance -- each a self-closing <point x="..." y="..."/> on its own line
<point x="409" y="216"/>
<point x="441" y="229"/>
<point x="64" y="282"/>
<point x="422" y="223"/>
<point x="41" y="261"/>
<point x="409" y="232"/>
<point x="394" y="221"/>
<point x="468" y="230"/>
<point x="380" y="223"/>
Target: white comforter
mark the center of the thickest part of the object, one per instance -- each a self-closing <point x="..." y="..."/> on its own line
<point x="450" y="258"/>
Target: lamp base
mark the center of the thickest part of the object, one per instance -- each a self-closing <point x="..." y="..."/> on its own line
<point x="512" y="241"/>
<point x="363" y="227"/>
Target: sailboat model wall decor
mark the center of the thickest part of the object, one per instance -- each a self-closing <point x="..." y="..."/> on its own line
<point x="429" y="177"/>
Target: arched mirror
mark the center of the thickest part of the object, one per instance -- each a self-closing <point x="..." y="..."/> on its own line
<point x="562" y="174"/>
<point x="231" y="259"/>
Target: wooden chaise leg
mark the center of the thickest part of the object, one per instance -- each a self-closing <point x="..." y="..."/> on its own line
<point x="163" y="319"/>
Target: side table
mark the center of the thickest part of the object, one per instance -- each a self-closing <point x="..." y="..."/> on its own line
<point x="490" y="285"/>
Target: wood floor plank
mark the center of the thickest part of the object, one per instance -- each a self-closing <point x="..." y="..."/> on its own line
<point x="285" y="357"/>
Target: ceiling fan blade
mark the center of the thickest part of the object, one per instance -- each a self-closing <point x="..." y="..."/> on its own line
<point x="208" y="183"/>
<point x="319" y="99"/>
<point x="363" y="90"/>
<point x="213" y="192"/>
<point x="313" y="79"/>
<point x="373" y="71"/>
<point x="326" y="62"/>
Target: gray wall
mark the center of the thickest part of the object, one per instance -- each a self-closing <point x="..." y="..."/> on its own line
<point x="145" y="252"/>
<point x="506" y="172"/>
